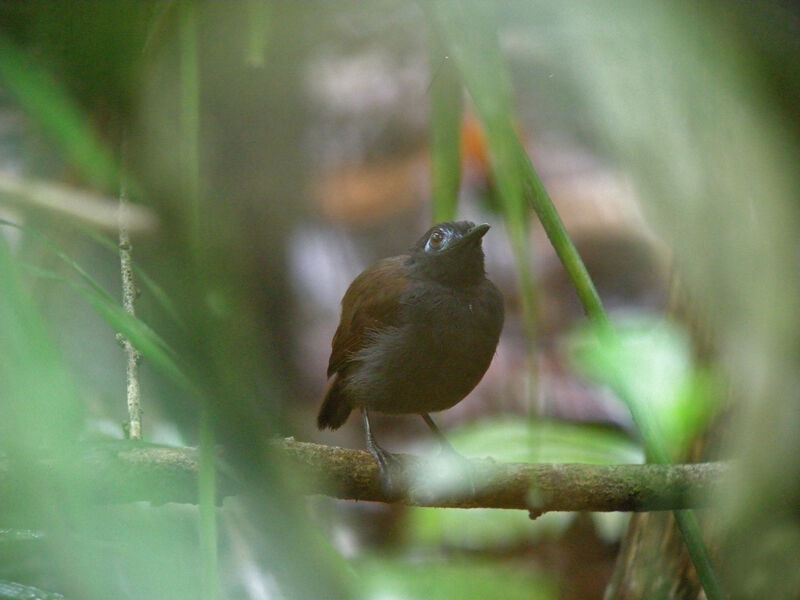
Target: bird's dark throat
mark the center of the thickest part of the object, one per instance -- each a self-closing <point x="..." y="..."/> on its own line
<point x="461" y="267"/>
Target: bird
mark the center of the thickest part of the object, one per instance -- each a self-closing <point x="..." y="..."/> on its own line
<point x="417" y="333"/>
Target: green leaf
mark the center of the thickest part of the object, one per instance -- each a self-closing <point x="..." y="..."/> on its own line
<point x="642" y="366"/>
<point x="470" y="32"/>
<point x="40" y="406"/>
<point x="65" y="258"/>
<point x="518" y="440"/>
<point x="649" y="365"/>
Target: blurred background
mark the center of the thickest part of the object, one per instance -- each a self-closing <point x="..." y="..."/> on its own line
<point x="271" y="152"/>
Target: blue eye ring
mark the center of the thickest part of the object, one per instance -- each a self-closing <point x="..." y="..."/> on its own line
<point x="436" y="241"/>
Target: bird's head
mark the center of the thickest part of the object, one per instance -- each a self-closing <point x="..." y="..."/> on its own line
<point x="450" y="253"/>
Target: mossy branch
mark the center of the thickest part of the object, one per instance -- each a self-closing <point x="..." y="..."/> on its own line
<point x="124" y="472"/>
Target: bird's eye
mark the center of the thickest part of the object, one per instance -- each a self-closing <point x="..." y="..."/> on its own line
<point x="436" y="240"/>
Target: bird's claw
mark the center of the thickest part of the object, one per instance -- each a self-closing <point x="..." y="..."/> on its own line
<point x="389" y="471"/>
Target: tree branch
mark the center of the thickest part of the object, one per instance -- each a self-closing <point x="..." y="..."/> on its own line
<point x="127" y="471"/>
<point x="539" y="488"/>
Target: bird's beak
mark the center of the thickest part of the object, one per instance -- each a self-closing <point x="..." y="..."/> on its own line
<point x="473" y="236"/>
<point x="478" y="231"/>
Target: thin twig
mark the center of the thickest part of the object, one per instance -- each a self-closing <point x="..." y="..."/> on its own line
<point x="129" y="293"/>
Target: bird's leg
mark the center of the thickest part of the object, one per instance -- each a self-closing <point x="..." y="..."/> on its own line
<point x="384" y="458"/>
<point x="443" y="443"/>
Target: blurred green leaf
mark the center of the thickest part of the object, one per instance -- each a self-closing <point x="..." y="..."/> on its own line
<point x="465" y="580"/>
<point x="65" y="258"/>
<point x="40" y="405"/>
<point x="482" y="528"/>
<point x="446" y="110"/>
<point x="57" y="114"/>
<point x="647" y="364"/>
<point x="650" y="366"/>
<point x="258" y="33"/>
<point x="156" y="544"/>
<point x="518" y="440"/>
<point x="189" y="148"/>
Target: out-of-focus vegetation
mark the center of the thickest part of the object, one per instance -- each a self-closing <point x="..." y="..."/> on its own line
<point x="281" y="147"/>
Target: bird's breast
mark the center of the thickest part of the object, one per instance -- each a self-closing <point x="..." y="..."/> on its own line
<point x="438" y="354"/>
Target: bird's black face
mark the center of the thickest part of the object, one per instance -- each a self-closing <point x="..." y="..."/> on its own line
<point x="450" y="253"/>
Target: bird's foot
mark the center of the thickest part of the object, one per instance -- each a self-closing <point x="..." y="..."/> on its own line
<point x="389" y="471"/>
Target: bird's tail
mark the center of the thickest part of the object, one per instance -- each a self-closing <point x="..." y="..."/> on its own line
<point x="335" y="408"/>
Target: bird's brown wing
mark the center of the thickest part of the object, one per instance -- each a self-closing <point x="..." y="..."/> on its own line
<point x="371" y="303"/>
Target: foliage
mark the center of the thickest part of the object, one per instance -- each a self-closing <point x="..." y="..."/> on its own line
<point x="677" y="97"/>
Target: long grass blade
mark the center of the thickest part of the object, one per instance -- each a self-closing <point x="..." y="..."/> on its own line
<point x="57" y="114"/>
<point x="540" y="201"/>
<point x="87" y="279"/>
<point x="446" y="111"/>
<point x="189" y="144"/>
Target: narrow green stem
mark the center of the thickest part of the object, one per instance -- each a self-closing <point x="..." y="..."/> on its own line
<point x="207" y="494"/>
<point x="446" y="109"/>
<point x="540" y="200"/>
<point x="693" y="538"/>
<point x="190" y="121"/>
<point x="517" y="225"/>
<point x="190" y="192"/>
<point x="593" y="305"/>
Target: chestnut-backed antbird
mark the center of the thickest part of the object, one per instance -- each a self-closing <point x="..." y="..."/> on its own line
<point x="417" y="333"/>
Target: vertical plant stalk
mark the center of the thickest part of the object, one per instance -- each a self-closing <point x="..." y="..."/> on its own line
<point x="447" y="107"/>
<point x="189" y="142"/>
<point x="190" y="188"/>
<point x="129" y="293"/>
<point x="207" y="488"/>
